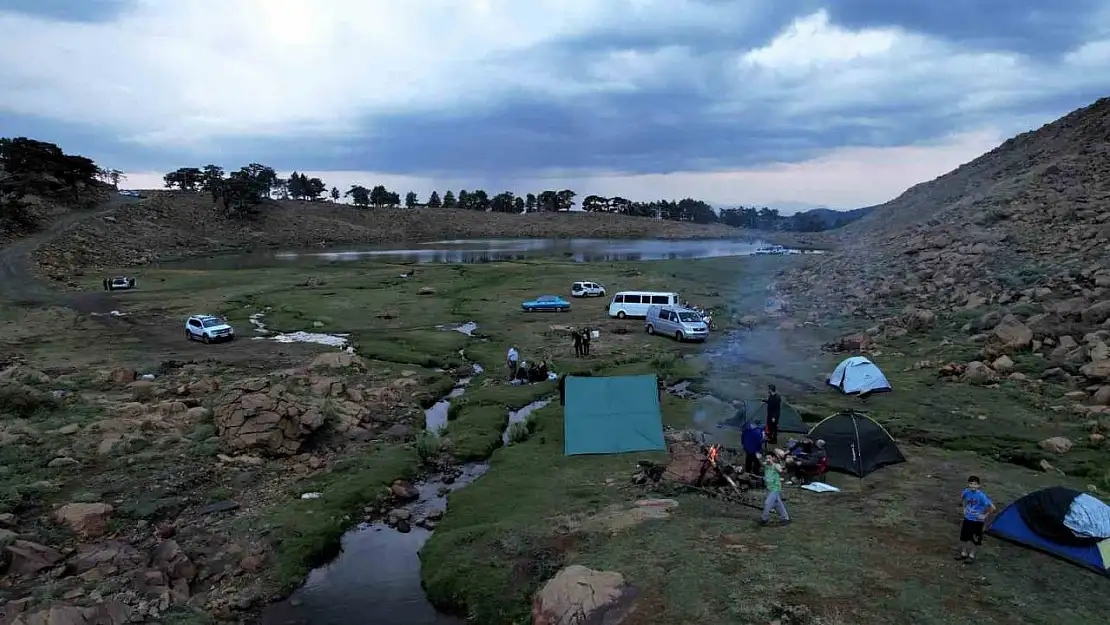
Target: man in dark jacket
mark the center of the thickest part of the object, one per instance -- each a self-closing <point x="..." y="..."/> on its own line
<point x="752" y="440"/>
<point x="774" y="410"/>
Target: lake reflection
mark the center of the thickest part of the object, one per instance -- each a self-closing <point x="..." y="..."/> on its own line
<point x="460" y="251"/>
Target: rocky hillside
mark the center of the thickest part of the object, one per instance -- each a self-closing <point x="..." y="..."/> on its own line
<point x="1018" y="238"/>
<point x="175" y="224"/>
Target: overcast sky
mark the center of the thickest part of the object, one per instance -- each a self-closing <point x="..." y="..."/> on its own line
<point x="842" y="103"/>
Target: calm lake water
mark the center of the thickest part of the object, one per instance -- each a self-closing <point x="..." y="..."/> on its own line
<point x="489" y="250"/>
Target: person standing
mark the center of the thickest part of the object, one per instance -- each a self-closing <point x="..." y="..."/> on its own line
<point x="585" y="341"/>
<point x="976" y="508"/>
<point x="774" y="411"/>
<point x="772" y="480"/>
<point x="752" y="440"/>
<point x="105" y="284"/>
<point x="512" y="359"/>
<point x="577" y="336"/>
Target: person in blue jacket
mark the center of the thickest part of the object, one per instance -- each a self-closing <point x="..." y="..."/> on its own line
<point x="752" y="440"/>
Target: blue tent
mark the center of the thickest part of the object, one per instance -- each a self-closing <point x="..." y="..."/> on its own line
<point x="858" y="376"/>
<point x="612" y="415"/>
<point x="1061" y="522"/>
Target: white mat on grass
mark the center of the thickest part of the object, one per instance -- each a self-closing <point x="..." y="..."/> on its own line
<point x="821" y="487"/>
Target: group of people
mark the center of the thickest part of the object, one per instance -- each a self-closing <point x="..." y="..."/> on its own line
<point x="523" y="372"/>
<point x="581" y="338"/>
<point x="800" y="461"/>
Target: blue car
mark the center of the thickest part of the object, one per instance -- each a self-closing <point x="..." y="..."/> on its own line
<point x="550" y="303"/>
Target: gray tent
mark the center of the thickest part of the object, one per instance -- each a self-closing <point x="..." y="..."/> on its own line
<point x="756" y="411"/>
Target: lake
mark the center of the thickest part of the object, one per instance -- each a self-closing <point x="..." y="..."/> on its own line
<point x="488" y="250"/>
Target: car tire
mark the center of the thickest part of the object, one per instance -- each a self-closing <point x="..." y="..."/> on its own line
<point x="188" y="335"/>
<point x="621" y="315"/>
<point x="205" y="339"/>
<point x="650" y="329"/>
<point x="678" y="336"/>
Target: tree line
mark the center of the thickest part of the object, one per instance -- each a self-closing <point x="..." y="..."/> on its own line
<point x="242" y="191"/>
<point x="38" y="168"/>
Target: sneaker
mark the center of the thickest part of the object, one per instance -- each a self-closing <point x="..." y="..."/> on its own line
<point x="761" y="523"/>
<point x="786" y="522"/>
<point x="961" y="556"/>
<point x="969" y="559"/>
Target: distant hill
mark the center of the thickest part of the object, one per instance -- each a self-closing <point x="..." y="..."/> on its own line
<point x="830" y="218"/>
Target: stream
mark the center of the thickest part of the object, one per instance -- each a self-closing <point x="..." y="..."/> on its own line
<point x="375" y="579"/>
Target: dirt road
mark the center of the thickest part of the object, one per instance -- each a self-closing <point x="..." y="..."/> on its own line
<point x="160" y="334"/>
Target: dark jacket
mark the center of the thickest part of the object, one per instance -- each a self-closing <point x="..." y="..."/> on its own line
<point x="752" y="438"/>
<point x="774" y="407"/>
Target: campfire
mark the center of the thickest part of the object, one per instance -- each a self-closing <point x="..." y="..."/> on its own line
<point x="705" y="468"/>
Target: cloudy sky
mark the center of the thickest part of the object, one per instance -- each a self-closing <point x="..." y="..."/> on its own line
<point x="842" y="103"/>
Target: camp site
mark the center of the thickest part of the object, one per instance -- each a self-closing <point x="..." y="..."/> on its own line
<point x="453" y="456"/>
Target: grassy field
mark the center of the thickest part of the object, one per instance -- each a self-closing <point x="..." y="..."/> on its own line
<point x="515" y="527"/>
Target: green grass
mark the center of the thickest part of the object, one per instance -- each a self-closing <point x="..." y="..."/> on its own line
<point x="307" y="532"/>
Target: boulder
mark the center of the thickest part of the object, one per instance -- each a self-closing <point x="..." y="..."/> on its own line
<point x="338" y="360"/>
<point x="404" y="491"/>
<point x="122" y="375"/>
<point x="1013" y="333"/>
<point x="1097" y="313"/>
<point x="259" y="416"/>
<point x="27" y="558"/>
<point x="107" y="613"/>
<point x="579" y="595"/>
<point x="87" y="519"/>
<point x="1097" y="370"/>
<point x="1056" y="445"/>
<point x="1101" y="397"/>
<point x="1003" y="364"/>
<point x="978" y="373"/>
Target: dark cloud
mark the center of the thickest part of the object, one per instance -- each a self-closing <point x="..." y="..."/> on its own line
<point x="673" y="125"/>
<point x="1033" y="27"/>
<point x="67" y="10"/>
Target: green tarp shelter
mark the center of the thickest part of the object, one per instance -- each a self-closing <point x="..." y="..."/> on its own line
<point x="612" y="415"/>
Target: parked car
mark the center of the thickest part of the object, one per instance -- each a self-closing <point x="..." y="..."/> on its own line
<point x="681" y="323"/>
<point x="550" y="303"/>
<point x="208" y="328"/>
<point x="587" y="289"/>
<point x="119" y="283"/>
<point x="636" y="303"/>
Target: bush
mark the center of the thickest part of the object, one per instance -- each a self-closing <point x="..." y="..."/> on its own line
<point x="428" y="446"/>
<point x="519" y="431"/>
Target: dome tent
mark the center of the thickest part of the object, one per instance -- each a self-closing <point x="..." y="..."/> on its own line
<point x="858" y="376"/>
<point x="756" y="412"/>
<point x="1061" y="522"/>
<point x="856" y="444"/>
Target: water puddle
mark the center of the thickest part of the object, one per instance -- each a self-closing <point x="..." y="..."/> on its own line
<point x="375" y="580"/>
<point x="521" y="416"/>
<point x="467" y="328"/>
<point x="331" y="340"/>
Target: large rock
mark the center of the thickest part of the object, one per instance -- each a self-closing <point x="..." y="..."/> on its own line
<point x="1013" y="333"/>
<point x="27" y="558"/>
<point x="1056" y="445"/>
<point x="978" y="373"/>
<point x="581" y="596"/>
<point x="259" y="416"/>
<point x="1098" y="313"/>
<point x="107" y="613"/>
<point x="1097" y="370"/>
<point x="338" y="360"/>
<point x="87" y="519"/>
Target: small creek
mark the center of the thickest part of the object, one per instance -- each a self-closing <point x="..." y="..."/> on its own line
<point x="375" y="580"/>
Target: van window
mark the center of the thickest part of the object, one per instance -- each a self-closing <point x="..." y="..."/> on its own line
<point x="619" y="299"/>
<point x="665" y="315"/>
<point x="689" y="317"/>
<point x="660" y="299"/>
<point x="631" y="299"/>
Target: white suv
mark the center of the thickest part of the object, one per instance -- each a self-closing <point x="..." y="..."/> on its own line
<point x="587" y="289"/>
<point x="208" y="328"/>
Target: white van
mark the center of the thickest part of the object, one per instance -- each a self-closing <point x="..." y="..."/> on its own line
<point x="636" y="303"/>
